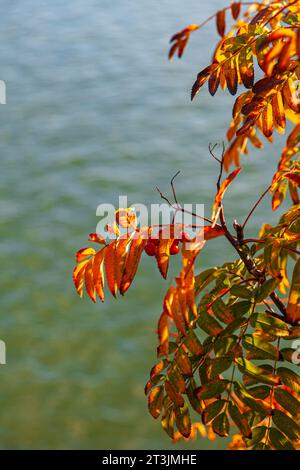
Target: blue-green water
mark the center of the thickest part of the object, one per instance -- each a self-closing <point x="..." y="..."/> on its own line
<point x="94" y="110"/>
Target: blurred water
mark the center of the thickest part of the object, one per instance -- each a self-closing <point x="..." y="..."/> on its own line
<point x="94" y="110"/>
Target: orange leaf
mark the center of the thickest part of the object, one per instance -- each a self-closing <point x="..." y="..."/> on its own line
<point x="98" y="273"/>
<point x="158" y="368"/>
<point x="78" y="276"/>
<point x="180" y="40"/>
<point x="212" y="232"/>
<point x="89" y="282"/>
<point x="285" y="56"/>
<point x="172" y="307"/>
<point x="163" y="334"/>
<point x="278" y="196"/>
<point x="221" y="192"/>
<point x="173" y="394"/>
<point x="122" y="251"/>
<point x="155" y="401"/>
<point x="110" y="271"/>
<point x="163" y="255"/>
<point x="278" y="111"/>
<point x="267" y="120"/>
<point x="132" y="261"/>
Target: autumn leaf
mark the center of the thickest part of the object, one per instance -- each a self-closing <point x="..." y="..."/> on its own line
<point x="293" y="308"/>
<point x="220" y="22"/>
<point x="221" y="192"/>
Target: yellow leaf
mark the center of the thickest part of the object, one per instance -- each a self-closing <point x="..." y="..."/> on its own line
<point x="84" y="253"/>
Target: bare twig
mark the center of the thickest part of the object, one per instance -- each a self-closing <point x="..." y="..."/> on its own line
<point x="255" y="205"/>
<point x="179" y="208"/>
<point x="173" y="188"/>
<point x="211" y="151"/>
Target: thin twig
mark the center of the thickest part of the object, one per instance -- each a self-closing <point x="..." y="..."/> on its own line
<point x="211" y="151"/>
<point x="255" y="205"/>
<point x="179" y="208"/>
<point x="173" y="188"/>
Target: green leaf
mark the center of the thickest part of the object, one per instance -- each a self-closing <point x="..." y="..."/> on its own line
<point x="254" y="403"/>
<point x="222" y="311"/>
<point x="289" y="378"/>
<point x="239" y="419"/>
<point x="235" y="325"/>
<point x="291" y="19"/>
<point x="248" y="380"/>
<point x="240" y="308"/>
<point x="220" y="425"/>
<point x="248" y="368"/>
<point x="227" y="347"/>
<point x="253" y="417"/>
<point x="241" y="291"/>
<point x="207" y="323"/>
<point x="218" y="365"/>
<point x="212" y="410"/>
<point x="183" y="420"/>
<point x="211" y="389"/>
<point x="269" y="324"/>
<point x="258" y="434"/>
<point x="266" y="289"/>
<point x="279" y="441"/>
<point x="261" y="391"/>
<point x="203" y="279"/>
<point x="286" y="424"/>
<point x="261" y="446"/>
<point x="196" y="404"/>
<point x="264" y="349"/>
<point x="288" y="402"/>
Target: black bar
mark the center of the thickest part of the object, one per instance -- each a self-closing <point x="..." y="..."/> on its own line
<point x="146" y="458"/>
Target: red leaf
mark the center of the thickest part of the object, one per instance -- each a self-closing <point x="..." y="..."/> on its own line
<point x="220" y="22"/>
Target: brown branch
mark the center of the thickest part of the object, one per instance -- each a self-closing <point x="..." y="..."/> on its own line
<point x="179" y="208"/>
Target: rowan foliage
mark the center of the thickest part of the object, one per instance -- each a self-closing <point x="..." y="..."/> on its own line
<point x="225" y="357"/>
